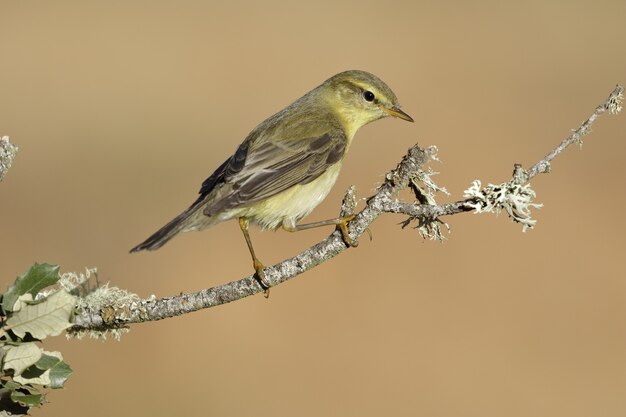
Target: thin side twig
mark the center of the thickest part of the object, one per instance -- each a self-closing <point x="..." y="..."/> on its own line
<point x="613" y="104"/>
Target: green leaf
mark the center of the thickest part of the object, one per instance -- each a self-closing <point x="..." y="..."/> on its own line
<point x="9" y="385"/>
<point x="49" y="360"/>
<point x="59" y="371"/>
<point x="27" y="400"/>
<point x="38" y="277"/>
<point x="20" y="357"/>
<point x="48" y="318"/>
<point x="7" y="406"/>
<point x="59" y="375"/>
<point x="33" y="376"/>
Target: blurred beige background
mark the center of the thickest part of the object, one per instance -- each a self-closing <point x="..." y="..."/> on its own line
<point x="121" y="109"/>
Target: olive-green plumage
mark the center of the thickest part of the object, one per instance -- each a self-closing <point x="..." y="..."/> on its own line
<point x="288" y="163"/>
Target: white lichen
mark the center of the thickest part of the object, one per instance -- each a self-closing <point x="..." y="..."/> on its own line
<point x="431" y="187"/>
<point x="514" y="198"/>
<point x="578" y="134"/>
<point x="114" y="303"/>
<point x="77" y="282"/>
<point x="615" y="102"/>
<point x="105" y="296"/>
<point x="7" y="154"/>
<point x="428" y="228"/>
<point x="101" y="335"/>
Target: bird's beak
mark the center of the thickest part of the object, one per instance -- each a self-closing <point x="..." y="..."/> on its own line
<point x="396" y="112"/>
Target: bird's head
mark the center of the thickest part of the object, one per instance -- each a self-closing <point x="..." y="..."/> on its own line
<point x="359" y="98"/>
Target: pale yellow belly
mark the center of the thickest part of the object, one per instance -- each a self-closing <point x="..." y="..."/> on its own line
<point x="291" y="205"/>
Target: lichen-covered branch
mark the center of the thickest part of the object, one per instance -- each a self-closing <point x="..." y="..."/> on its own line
<point x="100" y="317"/>
<point x="613" y="104"/>
<point x="514" y="196"/>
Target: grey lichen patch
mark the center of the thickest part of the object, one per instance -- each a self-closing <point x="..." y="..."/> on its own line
<point x="115" y="306"/>
<point x="102" y="335"/>
<point x="614" y="104"/>
<point x="520" y="175"/>
<point x="349" y="203"/>
<point x="428" y="227"/>
<point x="430" y="188"/>
<point x="578" y="134"/>
<point x="7" y="155"/>
<point x="139" y="308"/>
<point x="514" y="198"/>
<point x="106" y="296"/>
<point x="425" y="189"/>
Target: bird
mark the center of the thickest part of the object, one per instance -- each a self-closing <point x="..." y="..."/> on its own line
<point x="287" y="164"/>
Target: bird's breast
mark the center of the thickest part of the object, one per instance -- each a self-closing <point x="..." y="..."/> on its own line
<point x="293" y="204"/>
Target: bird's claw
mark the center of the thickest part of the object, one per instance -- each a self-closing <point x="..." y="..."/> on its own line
<point x="261" y="278"/>
<point x="343" y="227"/>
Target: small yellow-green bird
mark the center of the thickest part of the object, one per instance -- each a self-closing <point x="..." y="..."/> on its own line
<point x="288" y="163"/>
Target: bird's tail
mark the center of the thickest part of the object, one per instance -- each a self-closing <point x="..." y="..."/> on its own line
<point x="178" y="224"/>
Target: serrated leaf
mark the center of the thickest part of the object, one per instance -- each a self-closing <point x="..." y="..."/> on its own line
<point x="21" y="357"/>
<point x="59" y="371"/>
<point x="27" y="400"/>
<point x="33" y="376"/>
<point x="59" y="375"/>
<point x="48" y="318"/>
<point x="38" y="277"/>
<point x="49" y="360"/>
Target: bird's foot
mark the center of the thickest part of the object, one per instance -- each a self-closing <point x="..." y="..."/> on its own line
<point x="261" y="278"/>
<point x="343" y="227"/>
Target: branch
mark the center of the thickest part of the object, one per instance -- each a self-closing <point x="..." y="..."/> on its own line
<point x="613" y="104"/>
<point x="513" y="196"/>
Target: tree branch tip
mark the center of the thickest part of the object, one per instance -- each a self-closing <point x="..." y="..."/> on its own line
<point x="349" y="202"/>
<point x="615" y="100"/>
<point x="7" y="155"/>
<point x="422" y="155"/>
<point x="520" y="175"/>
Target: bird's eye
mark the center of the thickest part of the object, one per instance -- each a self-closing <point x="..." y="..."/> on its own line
<point x="368" y="96"/>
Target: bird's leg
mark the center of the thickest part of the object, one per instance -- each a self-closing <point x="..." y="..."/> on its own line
<point x="341" y="222"/>
<point x="258" y="266"/>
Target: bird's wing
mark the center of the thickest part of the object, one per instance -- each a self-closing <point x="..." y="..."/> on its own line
<point x="268" y="169"/>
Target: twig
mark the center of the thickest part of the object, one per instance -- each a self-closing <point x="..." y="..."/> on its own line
<point x="613" y="104"/>
<point x="409" y="170"/>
